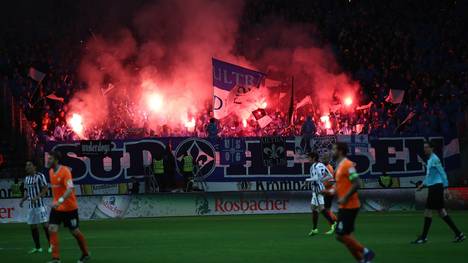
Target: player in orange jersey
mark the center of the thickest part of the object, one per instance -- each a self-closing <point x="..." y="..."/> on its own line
<point x="329" y="190"/>
<point x="64" y="208"/>
<point x="347" y="184"/>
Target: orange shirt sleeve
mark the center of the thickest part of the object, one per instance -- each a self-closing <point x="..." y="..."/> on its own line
<point x="67" y="179"/>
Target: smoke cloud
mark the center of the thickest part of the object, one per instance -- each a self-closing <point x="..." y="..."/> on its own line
<point x="161" y="63"/>
<point x="295" y="50"/>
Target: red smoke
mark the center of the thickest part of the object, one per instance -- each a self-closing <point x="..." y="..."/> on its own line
<point x="161" y="68"/>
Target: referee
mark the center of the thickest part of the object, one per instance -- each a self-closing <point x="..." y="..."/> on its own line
<point x="437" y="183"/>
<point x="36" y="187"/>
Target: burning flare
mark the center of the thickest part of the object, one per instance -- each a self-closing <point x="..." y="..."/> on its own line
<point x="348" y="101"/>
<point x="76" y="124"/>
<point x="155" y="102"/>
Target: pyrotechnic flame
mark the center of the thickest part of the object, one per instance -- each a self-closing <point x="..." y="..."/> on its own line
<point x="76" y="124"/>
<point x="244" y="123"/>
<point x="325" y="118"/>
<point x="155" y="102"/>
<point x="326" y="121"/>
<point x="190" y="124"/>
<point x="348" y="101"/>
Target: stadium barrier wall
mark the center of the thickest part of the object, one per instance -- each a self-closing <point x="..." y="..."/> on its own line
<point x="228" y="203"/>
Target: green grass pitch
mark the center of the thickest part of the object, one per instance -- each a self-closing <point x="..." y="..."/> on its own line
<point x="260" y="238"/>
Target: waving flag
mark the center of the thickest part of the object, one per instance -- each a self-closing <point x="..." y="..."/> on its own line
<point x="105" y="90"/>
<point x="36" y="74"/>
<point x="365" y="107"/>
<point x="262" y="118"/>
<point x="305" y="101"/>
<point x="395" y="96"/>
<point x="231" y="86"/>
<point x="53" y="96"/>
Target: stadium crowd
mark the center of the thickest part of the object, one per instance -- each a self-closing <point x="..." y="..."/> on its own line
<point x="378" y="50"/>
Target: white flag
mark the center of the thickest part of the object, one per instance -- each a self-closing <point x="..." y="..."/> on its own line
<point x="36" y="74"/>
<point x="452" y="148"/>
<point x="365" y="107"/>
<point x="407" y="119"/>
<point x="107" y="89"/>
<point x="234" y="88"/>
<point x="395" y="96"/>
<point x="52" y="96"/>
<point x="263" y="122"/>
<point x="304" y="101"/>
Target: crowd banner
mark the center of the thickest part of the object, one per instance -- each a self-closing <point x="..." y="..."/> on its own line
<point x="232" y="151"/>
<point x="274" y="151"/>
<point x="209" y="204"/>
<point x="232" y="87"/>
<point x="252" y="163"/>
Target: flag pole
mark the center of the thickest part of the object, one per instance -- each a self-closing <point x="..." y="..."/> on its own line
<point x="291" y="103"/>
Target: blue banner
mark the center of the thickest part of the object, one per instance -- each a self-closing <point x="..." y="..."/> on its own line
<point x="227" y="76"/>
<point x="398" y="157"/>
<point x="232" y="84"/>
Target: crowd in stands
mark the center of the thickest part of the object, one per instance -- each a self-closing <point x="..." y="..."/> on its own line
<point x="420" y="49"/>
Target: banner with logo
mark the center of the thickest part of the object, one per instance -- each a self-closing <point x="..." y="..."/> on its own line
<point x="231" y="203"/>
<point x="232" y="151"/>
<point x="320" y="144"/>
<point x="401" y="158"/>
<point x="274" y="151"/>
<point x="95" y="147"/>
<point x="232" y="87"/>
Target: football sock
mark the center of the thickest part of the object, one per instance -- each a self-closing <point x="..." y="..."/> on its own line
<point x="46" y="231"/>
<point x="332" y="215"/>
<point x="35" y="236"/>
<point x="328" y="217"/>
<point x="427" y="226"/>
<point x="315" y="215"/>
<point x="353" y="246"/>
<point x="55" y="244"/>
<point x="82" y="243"/>
<point x="451" y="224"/>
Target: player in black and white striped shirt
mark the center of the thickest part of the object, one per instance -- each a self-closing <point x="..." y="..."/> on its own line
<point x="36" y="187"/>
<point x="318" y="175"/>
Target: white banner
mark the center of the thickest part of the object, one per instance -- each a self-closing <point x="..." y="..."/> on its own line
<point x="193" y="204"/>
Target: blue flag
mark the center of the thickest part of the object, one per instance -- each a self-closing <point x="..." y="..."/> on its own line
<point x="231" y="86"/>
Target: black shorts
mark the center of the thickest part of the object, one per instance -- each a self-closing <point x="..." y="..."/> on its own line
<point x="69" y="219"/>
<point x="346" y="220"/>
<point x="435" y="197"/>
<point x="328" y="201"/>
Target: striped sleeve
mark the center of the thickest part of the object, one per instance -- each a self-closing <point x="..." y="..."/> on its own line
<point x="42" y="180"/>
